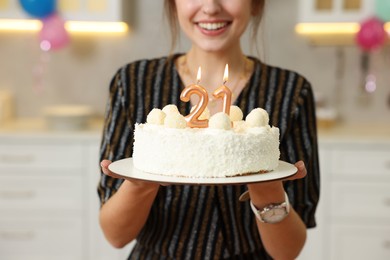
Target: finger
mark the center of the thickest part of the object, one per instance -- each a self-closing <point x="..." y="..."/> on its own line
<point x="301" y="171"/>
<point x="104" y="165"/>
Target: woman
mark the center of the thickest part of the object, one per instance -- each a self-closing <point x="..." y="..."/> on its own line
<point x="209" y="222"/>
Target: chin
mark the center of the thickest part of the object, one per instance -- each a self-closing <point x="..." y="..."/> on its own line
<point x="212" y="47"/>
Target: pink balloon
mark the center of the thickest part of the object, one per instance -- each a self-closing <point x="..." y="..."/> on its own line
<point x="53" y="35"/>
<point x="371" y="35"/>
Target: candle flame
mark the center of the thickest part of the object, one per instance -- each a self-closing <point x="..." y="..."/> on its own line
<point x="226" y="74"/>
<point x="199" y="75"/>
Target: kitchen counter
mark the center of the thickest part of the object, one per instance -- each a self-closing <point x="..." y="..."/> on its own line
<point x="37" y="127"/>
<point x="339" y="132"/>
<point x="355" y="133"/>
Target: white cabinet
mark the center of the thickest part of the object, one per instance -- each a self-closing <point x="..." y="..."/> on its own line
<point x="79" y="10"/>
<point x="41" y="200"/>
<point x="354" y="241"/>
<point x="48" y="198"/>
<point x="354" y="210"/>
<point x="359" y="201"/>
<point x="330" y="11"/>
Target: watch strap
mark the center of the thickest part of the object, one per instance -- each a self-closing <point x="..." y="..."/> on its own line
<point x="258" y="212"/>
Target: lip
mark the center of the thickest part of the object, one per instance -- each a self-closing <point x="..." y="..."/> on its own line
<point x="213" y="32"/>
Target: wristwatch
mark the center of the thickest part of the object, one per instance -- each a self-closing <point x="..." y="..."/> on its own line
<point x="272" y="213"/>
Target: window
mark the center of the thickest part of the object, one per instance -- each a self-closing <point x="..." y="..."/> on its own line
<point x="352" y="4"/>
<point x="324" y="5"/>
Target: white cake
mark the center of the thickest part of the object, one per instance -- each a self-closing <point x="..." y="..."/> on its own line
<point x="165" y="145"/>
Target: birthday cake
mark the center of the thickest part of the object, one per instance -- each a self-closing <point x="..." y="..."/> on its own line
<point x="228" y="146"/>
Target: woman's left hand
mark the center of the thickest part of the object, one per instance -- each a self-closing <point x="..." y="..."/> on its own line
<point x="271" y="186"/>
<point x="301" y="172"/>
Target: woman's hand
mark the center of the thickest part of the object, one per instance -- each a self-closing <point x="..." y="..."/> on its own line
<point x="125" y="213"/>
<point x="275" y="186"/>
<point x="301" y="172"/>
<point x="289" y="234"/>
<point x="137" y="183"/>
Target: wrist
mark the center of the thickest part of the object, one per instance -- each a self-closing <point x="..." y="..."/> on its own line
<point x="140" y="188"/>
<point x="272" y="213"/>
<point x="263" y="194"/>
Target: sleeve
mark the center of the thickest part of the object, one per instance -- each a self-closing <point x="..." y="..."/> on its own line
<point x="117" y="135"/>
<point x="301" y="144"/>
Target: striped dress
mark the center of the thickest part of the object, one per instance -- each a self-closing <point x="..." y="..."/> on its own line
<point x="209" y="222"/>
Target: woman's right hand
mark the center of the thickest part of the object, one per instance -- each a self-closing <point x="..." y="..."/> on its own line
<point x="130" y="204"/>
<point x="137" y="183"/>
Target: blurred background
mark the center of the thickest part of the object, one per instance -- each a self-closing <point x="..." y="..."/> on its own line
<point x="54" y="78"/>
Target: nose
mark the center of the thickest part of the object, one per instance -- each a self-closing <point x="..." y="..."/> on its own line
<point x="211" y="7"/>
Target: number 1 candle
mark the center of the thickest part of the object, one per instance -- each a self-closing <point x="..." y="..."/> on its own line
<point x="224" y="92"/>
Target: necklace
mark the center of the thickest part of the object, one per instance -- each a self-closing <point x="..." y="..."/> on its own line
<point x="238" y="84"/>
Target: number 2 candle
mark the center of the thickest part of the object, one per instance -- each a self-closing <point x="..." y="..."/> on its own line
<point x="193" y="118"/>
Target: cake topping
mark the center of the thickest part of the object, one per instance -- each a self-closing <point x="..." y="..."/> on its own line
<point x="175" y="120"/>
<point x="257" y="117"/>
<point x="220" y="121"/>
<point x="169" y="109"/>
<point x="239" y="126"/>
<point x="236" y="113"/>
<point x="156" y="117"/>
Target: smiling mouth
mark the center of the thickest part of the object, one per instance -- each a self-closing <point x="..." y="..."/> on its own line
<point x="213" y="26"/>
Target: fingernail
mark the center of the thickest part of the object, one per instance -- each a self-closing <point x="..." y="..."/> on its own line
<point x="244" y="197"/>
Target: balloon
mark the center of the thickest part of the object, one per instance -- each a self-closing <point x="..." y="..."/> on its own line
<point x="382" y="9"/>
<point x="53" y="35"/>
<point x="371" y="35"/>
<point x="39" y="8"/>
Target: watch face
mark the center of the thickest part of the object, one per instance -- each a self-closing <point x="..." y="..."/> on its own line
<point x="274" y="215"/>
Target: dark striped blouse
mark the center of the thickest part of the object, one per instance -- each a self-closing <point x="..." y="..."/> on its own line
<point x="209" y="222"/>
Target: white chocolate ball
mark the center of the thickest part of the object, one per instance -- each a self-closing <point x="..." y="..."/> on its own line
<point x="205" y="114"/>
<point x="236" y="113"/>
<point x="239" y="126"/>
<point x="220" y="121"/>
<point x="258" y="117"/>
<point x="168" y="109"/>
<point x="156" y="117"/>
<point x="175" y="120"/>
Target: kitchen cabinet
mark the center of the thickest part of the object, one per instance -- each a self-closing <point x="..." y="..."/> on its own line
<point x="78" y="10"/>
<point x="41" y="200"/>
<point x="331" y="11"/>
<point x="359" y="200"/>
<point x="91" y="10"/>
<point x="49" y="204"/>
<point x="48" y="199"/>
<point x="354" y="209"/>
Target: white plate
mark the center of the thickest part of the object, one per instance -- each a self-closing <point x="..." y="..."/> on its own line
<point x="125" y="168"/>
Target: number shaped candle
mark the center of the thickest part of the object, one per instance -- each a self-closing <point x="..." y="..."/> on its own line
<point x="224" y="92"/>
<point x="193" y="118"/>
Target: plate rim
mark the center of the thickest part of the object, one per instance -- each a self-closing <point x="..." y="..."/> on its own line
<point x="276" y="174"/>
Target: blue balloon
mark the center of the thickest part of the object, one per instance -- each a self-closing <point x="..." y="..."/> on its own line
<point x="382" y="9"/>
<point x="39" y="8"/>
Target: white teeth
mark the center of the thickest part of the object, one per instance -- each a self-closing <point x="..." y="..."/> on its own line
<point x="212" y="26"/>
